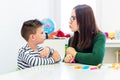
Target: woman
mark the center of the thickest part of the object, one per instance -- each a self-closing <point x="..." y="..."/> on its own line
<point x="87" y="45"/>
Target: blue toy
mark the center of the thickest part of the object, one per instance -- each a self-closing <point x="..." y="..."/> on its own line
<point x="86" y="67"/>
<point x="49" y="25"/>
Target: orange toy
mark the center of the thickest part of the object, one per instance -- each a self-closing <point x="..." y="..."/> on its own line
<point x="51" y="35"/>
<point x="58" y="34"/>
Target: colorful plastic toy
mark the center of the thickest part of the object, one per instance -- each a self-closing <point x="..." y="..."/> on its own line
<point x="111" y="35"/>
<point x="49" y="25"/>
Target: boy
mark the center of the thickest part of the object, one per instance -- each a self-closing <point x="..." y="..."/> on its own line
<point x="31" y="54"/>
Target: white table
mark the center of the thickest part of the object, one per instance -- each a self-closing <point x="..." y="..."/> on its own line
<point x="62" y="71"/>
<point x="112" y="43"/>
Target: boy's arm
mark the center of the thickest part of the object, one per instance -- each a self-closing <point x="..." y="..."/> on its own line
<point x="35" y="61"/>
<point x="45" y="52"/>
<point x="56" y="56"/>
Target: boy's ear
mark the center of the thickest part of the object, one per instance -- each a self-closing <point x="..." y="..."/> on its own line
<point x="32" y="36"/>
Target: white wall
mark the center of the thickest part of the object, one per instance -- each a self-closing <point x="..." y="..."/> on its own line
<point x="12" y="14"/>
<point x="108" y="16"/>
<point x="55" y="12"/>
<point x="108" y="13"/>
<point x="66" y="11"/>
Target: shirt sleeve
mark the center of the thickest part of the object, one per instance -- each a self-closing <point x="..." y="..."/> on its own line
<point x="35" y="61"/>
<point x="51" y="50"/>
<point x="97" y="54"/>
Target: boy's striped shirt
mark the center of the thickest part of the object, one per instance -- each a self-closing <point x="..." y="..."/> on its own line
<point x="28" y="58"/>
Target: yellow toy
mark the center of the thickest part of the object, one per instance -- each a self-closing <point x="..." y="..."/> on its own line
<point x="115" y="65"/>
<point x="111" y="35"/>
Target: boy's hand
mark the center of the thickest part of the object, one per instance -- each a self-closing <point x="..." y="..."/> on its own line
<point x="56" y="56"/>
<point x="45" y="52"/>
<point x="68" y="58"/>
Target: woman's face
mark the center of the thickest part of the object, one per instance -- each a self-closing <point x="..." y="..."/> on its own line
<point x="73" y="22"/>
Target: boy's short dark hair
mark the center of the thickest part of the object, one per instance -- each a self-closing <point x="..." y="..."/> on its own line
<point x="30" y="27"/>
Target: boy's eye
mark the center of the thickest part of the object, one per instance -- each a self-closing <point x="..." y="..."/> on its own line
<point x="42" y="32"/>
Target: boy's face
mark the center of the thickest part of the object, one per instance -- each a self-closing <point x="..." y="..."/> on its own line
<point x="40" y="35"/>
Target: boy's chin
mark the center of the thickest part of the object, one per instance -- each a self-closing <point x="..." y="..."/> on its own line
<point x="42" y="42"/>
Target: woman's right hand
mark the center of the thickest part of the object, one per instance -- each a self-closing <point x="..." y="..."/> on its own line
<point x="68" y="58"/>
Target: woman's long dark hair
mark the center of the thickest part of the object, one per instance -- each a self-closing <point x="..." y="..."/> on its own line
<point x="87" y="27"/>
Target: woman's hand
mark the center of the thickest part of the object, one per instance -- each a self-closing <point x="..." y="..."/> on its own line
<point x="72" y="51"/>
<point x="68" y="58"/>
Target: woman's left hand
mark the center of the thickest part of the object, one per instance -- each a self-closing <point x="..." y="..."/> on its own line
<point x="71" y="50"/>
<point x="68" y="58"/>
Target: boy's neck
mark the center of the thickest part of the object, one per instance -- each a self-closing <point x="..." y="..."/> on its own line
<point x="32" y="46"/>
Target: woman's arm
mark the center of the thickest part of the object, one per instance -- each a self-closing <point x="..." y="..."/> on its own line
<point x="97" y="54"/>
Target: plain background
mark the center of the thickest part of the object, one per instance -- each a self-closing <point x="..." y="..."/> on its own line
<point x="14" y="12"/>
